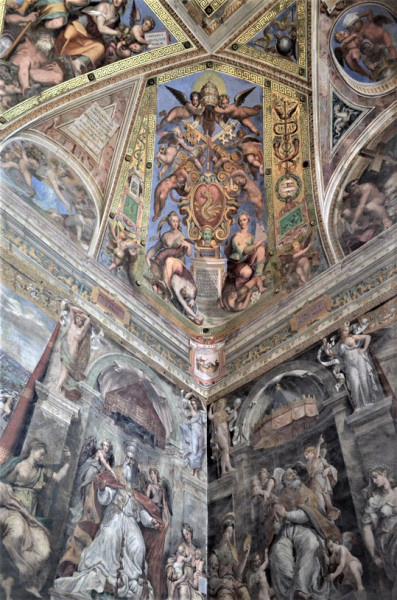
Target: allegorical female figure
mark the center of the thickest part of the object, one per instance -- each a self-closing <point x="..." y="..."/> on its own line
<point x="226" y="569"/>
<point x="380" y="521"/>
<point x="23" y="536"/>
<point x="245" y="265"/>
<point x="194" y="434"/>
<point x="361" y="377"/>
<point x="171" y="243"/>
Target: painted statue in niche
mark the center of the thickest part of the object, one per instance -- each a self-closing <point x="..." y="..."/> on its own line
<point x="224" y="433"/>
<point x="46" y="183"/>
<point x="368" y="203"/>
<point x="364" y="43"/>
<point x="74" y="350"/>
<point x="350" y="354"/>
<point x="69" y="39"/>
<point x="194" y="433"/>
<point x="279" y="37"/>
<point x="24" y="535"/>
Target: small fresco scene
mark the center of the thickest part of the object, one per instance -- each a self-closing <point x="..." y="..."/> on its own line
<point x="306" y="504"/>
<point x="45" y="43"/>
<point x="279" y="37"/>
<point x="24" y="331"/>
<point x="90" y="132"/>
<point x="216" y="242"/>
<point x="368" y="202"/>
<point x="364" y="43"/>
<point x="102" y="471"/>
<point x="51" y="186"/>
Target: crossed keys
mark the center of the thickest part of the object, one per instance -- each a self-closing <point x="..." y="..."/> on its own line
<point x="193" y="136"/>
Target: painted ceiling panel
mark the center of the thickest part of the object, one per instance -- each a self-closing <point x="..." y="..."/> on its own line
<point x="49" y="45"/>
<point x="51" y="183"/>
<point x="93" y="131"/>
<point x="215" y="215"/>
<point x="276" y="37"/>
<point x="196" y="171"/>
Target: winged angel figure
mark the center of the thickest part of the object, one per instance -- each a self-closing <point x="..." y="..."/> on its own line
<point x="189" y="107"/>
<point x="225" y="111"/>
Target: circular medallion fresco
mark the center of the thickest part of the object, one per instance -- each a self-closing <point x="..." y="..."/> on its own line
<point x="364" y="48"/>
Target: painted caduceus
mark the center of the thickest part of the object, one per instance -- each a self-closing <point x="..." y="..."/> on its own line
<point x="285" y="148"/>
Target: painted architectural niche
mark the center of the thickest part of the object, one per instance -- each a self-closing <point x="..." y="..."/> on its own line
<point x="224" y="234"/>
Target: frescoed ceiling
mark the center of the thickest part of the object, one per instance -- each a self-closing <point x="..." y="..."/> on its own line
<point x="175" y="162"/>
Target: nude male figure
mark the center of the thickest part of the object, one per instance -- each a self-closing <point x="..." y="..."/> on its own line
<point x="72" y="347"/>
<point x="367" y="198"/>
<point x="34" y="65"/>
<point x="373" y="30"/>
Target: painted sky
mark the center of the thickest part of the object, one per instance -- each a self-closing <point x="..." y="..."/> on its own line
<point x="24" y="329"/>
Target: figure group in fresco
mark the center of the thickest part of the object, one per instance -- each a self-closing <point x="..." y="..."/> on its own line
<point x="366" y="45"/>
<point x="66" y="39"/>
<point x="368" y="203"/>
<point x="45" y="181"/>
<point x="131" y="517"/>
<point x="302" y="549"/>
<point x="185" y="570"/>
